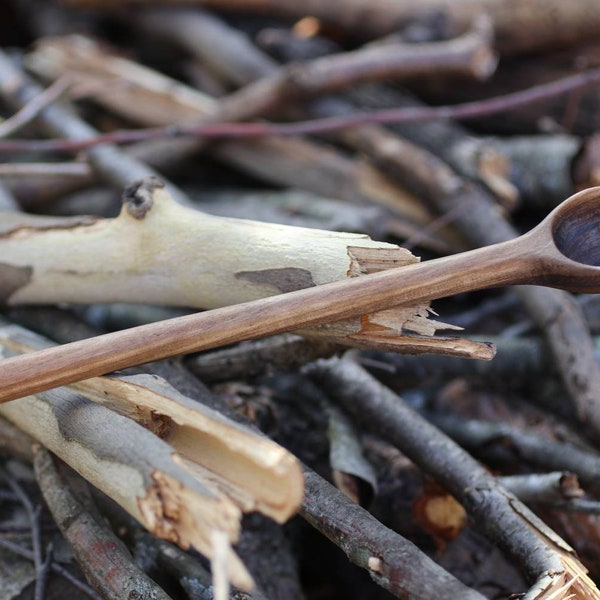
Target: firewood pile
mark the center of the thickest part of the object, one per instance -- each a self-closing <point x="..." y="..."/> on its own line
<point x="207" y="389"/>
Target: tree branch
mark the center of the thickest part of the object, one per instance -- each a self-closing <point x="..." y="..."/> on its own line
<point x="217" y="130"/>
<point x="106" y="563"/>
<point x="135" y="254"/>
<point x="546" y="558"/>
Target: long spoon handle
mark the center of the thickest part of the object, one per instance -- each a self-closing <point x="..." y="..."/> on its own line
<point x="501" y="264"/>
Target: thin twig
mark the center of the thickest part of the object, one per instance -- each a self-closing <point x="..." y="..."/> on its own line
<point x="42" y="575"/>
<point x="41" y="569"/>
<point x="469" y="54"/>
<point x="467" y="110"/>
<point x="33" y="514"/>
<point x="557" y="486"/>
<point x="495" y="439"/>
<point x="49" y="169"/>
<point x="102" y="557"/>
<point x="578" y="505"/>
<point x="381" y="551"/>
<point x="108" y="162"/>
<point x="499" y="514"/>
<point x="535" y="25"/>
<point x="58" y="569"/>
<point x="35" y="106"/>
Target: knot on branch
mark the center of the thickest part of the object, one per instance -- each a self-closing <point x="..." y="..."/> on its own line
<point x="138" y="196"/>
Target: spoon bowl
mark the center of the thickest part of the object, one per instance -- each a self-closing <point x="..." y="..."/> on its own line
<point x="576" y="227"/>
<point x="565" y="246"/>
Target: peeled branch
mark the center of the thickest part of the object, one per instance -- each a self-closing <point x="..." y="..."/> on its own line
<point x="159" y="252"/>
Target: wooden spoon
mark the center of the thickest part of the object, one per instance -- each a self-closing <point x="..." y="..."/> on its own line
<point x="563" y="252"/>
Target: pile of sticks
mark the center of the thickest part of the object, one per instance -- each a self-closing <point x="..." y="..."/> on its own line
<point x="160" y="158"/>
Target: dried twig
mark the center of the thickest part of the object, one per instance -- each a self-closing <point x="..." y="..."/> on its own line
<point x="558" y="486"/>
<point x="466" y="55"/>
<point x="255" y="472"/>
<point x="468" y="110"/>
<point x="50" y="170"/>
<point x="482" y="437"/>
<point x="108" y="162"/>
<point x="55" y="567"/>
<point x="33" y="514"/>
<point x="474" y="157"/>
<point x="35" y="106"/>
<point x="42" y="575"/>
<point x="545" y="557"/>
<point x="284" y="352"/>
<point x="146" y="477"/>
<point x="376" y="548"/>
<point x="519" y="358"/>
<point x="306" y="307"/>
<point x="555" y="312"/>
<point x="150" y="98"/>
<point x="106" y="563"/>
<point x="281" y="259"/>
<point x="254" y="259"/>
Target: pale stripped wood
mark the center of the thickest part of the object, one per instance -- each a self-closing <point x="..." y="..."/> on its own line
<point x="546" y="255"/>
<point x="133" y="467"/>
<point x="243" y="465"/>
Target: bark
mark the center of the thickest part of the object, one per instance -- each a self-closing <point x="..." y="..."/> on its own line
<point x="544" y="556"/>
<point x="284" y="352"/>
<point x="472" y="156"/>
<point x="544" y="487"/>
<point x="133" y="467"/>
<point x="106" y="563"/>
<point x="481" y="221"/>
<point x="373" y="546"/>
<point x="261" y="538"/>
<point x="108" y="161"/>
<point x="152" y="99"/>
<point x="479" y="436"/>
<point x="468" y="55"/>
<point x="136" y="255"/>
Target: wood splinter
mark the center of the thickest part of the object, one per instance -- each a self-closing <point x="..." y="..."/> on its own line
<point x="186" y="475"/>
<point x="255" y="472"/>
<point x="552" y="254"/>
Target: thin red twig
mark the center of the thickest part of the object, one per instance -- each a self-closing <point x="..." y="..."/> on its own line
<point x="467" y="110"/>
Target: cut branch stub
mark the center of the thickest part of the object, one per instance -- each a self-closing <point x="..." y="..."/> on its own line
<point x="138" y="197"/>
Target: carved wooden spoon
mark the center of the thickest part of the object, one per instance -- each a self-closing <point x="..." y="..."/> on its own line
<point x="563" y="251"/>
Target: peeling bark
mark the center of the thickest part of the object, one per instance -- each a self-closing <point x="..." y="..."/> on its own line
<point x="234" y="459"/>
<point x="283" y="280"/>
<point x="132" y="466"/>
